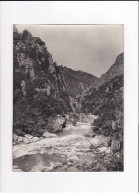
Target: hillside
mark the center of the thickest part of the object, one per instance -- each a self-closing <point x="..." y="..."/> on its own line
<point x="77" y="81"/>
<point x="64" y="120"/>
<point x="39" y="91"/>
<point x="115" y="70"/>
<point x="42" y="89"/>
<point x="107" y="102"/>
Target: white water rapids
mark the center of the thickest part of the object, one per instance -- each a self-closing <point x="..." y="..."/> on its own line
<point x="69" y="151"/>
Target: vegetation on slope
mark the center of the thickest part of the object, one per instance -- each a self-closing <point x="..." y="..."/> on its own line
<point x="39" y="92"/>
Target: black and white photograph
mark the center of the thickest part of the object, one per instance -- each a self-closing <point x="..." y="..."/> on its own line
<point x="68" y="98"/>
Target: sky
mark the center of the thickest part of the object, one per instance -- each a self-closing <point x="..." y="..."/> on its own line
<point x="90" y="48"/>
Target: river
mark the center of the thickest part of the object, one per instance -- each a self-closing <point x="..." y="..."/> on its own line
<point x="69" y="151"/>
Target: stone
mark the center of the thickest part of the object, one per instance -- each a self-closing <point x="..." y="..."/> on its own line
<point x="26" y="140"/>
<point x="20" y="139"/>
<point x="103" y="149"/>
<point x="69" y="163"/>
<point x="99" y="141"/>
<point x="15" y="137"/>
<point x="58" y="123"/>
<point x="107" y="89"/>
<point x="115" y="146"/>
<point x="49" y="168"/>
<point x="49" y="135"/>
<point x="114" y="125"/>
<point x="73" y="158"/>
<point x="23" y="86"/>
<point x="37" y="168"/>
<point x="28" y="136"/>
<point x="35" y="139"/>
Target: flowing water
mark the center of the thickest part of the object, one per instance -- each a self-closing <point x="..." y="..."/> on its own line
<point x="68" y="152"/>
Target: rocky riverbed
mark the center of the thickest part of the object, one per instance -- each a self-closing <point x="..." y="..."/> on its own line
<point x="75" y="149"/>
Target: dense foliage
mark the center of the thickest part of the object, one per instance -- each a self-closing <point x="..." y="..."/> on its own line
<point x="38" y="89"/>
<point x="107" y="104"/>
<point x="42" y="90"/>
<point x="77" y="81"/>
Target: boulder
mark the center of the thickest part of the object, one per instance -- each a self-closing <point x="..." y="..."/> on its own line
<point x="37" y="168"/>
<point x="20" y="139"/>
<point x="114" y="125"/>
<point x="35" y="139"/>
<point x="26" y="140"/>
<point x="28" y="136"/>
<point x="115" y="146"/>
<point x="104" y="149"/>
<point x="15" y="137"/>
<point x="73" y="158"/>
<point x="49" y="135"/>
<point x="58" y="128"/>
<point x="69" y="163"/>
<point x="58" y="123"/>
<point x="99" y="141"/>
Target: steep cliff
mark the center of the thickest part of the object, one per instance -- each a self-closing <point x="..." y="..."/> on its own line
<point x="42" y="90"/>
<point x="115" y="70"/>
<point x="106" y="101"/>
<point x="39" y="91"/>
<point x="77" y="81"/>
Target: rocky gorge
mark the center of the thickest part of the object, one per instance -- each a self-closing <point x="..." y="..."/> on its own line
<point x="74" y="149"/>
<point x="64" y="120"/>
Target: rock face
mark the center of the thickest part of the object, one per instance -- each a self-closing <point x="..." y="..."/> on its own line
<point x="115" y="70"/>
<point x="114" y="125"/>
<point x="42" y="89"/>
<point x="77" y="81"/>
<point x="45" y="95"/>
<point x="39" y="89"/>
<point x="106" y="101"/>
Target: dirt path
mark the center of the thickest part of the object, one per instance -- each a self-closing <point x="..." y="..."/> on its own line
<point x="69" y="151"/>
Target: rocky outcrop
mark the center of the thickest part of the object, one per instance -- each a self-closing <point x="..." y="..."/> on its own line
<point x="56" y="124"/>
<point x="39" y="89"/>
<point x="26" y="139"/>
<point x="116" y="69"/>
<point x="100" y="141"/>
<point x="77" y="81"/>
<point x="47" y="97"/>
<point x="106" y="101"/>
<point x="115" y="146"/>
<point x="42" y="89"/>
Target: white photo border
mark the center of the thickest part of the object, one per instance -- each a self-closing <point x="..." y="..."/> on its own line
<point x="60" y="12"/>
